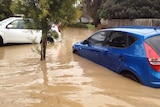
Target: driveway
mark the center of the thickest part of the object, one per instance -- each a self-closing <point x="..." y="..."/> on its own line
<point x="65" y="79"/>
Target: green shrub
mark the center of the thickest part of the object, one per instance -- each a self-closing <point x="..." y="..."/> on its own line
<point x="53" y="34"/>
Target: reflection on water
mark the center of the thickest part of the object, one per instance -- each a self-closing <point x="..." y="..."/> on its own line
<point x="65" y="79"/>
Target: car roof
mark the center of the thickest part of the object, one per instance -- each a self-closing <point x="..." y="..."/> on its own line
<point x="13" y="18"/>
<point x="5" y="21"/>
<point x="143" y="31"/>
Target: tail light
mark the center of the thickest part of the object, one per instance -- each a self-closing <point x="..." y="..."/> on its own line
<point x="153" y="57"/>
<point x="59" y="29"/>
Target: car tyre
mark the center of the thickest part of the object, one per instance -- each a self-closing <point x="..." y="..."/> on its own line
<point x="50" y="40"/>
<point x="75" y="52"/>
<point x="130" y="76"/>
<point x="1" y="41"/>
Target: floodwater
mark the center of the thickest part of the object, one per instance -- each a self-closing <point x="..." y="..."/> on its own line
<point x="65" y="79"/>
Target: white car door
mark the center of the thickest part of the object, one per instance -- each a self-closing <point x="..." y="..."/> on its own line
<point x="34" y="36"/>
<point x="15" y="32"/>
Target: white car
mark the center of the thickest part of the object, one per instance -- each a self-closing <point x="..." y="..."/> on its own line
<point x="15" y="30"/>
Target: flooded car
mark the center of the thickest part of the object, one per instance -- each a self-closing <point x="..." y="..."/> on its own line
<point x="133" y="51"/>
<point x="20" y="30"/>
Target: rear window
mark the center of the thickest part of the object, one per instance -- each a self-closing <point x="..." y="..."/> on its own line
<point x="154" y="42"/>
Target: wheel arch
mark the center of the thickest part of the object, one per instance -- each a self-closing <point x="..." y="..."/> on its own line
<point x="75" y="51"/>
<point x="133" y="69"/>
<point x="48" y="39"/>
<point x="132" y="75"/>
<point x="1" y="41"/>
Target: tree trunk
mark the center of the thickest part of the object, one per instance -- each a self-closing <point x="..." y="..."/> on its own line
<point x="43" y="48"/>
<point x="44" y="38"/>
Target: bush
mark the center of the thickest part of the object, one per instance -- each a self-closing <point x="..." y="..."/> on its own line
<point x="53" y="34"/>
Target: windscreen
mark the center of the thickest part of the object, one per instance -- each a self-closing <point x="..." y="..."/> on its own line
<point x="5" y="20"/>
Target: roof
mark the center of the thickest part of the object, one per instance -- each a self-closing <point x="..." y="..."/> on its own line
<point x="144" y="31"/>
<point x="5" y="21"/>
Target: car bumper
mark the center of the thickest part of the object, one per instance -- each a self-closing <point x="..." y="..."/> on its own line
<point x="155" y="84"/>
<point x="154" y="79"/>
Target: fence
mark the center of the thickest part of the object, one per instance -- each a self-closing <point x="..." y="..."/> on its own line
<point x="128" y="22"/>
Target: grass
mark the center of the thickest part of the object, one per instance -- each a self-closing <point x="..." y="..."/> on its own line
<point x="82" y="25"/>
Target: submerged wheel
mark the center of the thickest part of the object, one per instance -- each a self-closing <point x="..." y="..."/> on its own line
<point x="75" y="52"/>
<point x="130" y="76"/>
<point x="1" y="41"/>
<point x="50" y="40"/>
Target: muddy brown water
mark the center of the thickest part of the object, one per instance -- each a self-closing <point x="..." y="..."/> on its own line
<point x="65" y="79"/>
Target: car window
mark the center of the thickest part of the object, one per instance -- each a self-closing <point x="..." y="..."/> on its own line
<point x="22" y="24"/>
<point x="17" y="24"/>
<point x="14" y="24"/>
<point x="119" y="39"/>
<point x="154" y="42"/>
<point x="97" y="38"/>
<point x="29" y="24"/>
<point x="131" y="40"/>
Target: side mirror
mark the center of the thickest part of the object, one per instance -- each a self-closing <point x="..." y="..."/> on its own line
<point x="85" y="42"/>
<point x="9" y="26"/>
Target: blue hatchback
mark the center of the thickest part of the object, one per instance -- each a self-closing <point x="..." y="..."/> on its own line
<point x="133" y="51"/>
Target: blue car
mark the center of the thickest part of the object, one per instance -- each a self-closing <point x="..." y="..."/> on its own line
<point x="133" y="51"/>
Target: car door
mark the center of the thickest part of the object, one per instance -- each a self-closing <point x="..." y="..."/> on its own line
<point x="114" y="55"/>
<point x="34" y="34"/>
<point x="92" y="47"/>
<point x="15" y="32"/>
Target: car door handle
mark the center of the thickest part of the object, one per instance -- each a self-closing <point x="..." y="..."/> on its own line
<point x="120" y="58"/>
<point x="97" y="52"/>
<point x="106" y="51"/>
<point x="25" y="32"/>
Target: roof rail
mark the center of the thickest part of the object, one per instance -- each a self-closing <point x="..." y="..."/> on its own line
<point x="18" y="15"/>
